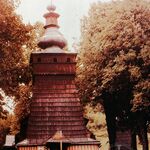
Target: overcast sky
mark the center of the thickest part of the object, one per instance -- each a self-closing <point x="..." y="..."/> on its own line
<point x="71" y="11"/>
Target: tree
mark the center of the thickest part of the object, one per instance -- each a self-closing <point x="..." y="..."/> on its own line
<point x="13" y="35"/>
<point x="114" y="60"/>
<point x="14" y="70"/>
<point x="17" y="41"/>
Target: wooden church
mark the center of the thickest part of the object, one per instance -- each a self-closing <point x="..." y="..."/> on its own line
<point x="56" y="120"/>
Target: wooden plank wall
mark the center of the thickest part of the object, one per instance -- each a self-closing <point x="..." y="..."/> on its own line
<point x="123" y="139"/>
<point x="32" y="148"/>
<point x="27" y="148"/>
<point x="83" y="147"/>
<point x="74" y="147"/>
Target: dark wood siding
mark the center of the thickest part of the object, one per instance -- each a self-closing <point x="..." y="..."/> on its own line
<point x="55" y="104"/>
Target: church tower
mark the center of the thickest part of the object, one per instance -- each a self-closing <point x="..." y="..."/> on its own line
<point x="56" y="120"/>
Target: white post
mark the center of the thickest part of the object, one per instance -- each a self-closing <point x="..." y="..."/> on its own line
<point x="61" y="145"/>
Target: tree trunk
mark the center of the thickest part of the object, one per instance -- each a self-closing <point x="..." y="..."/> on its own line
<point x="142" y="129"/>
<point x="143" y="135"/>
<point x="111" y="126"/>
<point x="133" y="142"/>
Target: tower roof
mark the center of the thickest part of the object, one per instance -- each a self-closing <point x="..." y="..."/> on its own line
<point x="52" y="36"/>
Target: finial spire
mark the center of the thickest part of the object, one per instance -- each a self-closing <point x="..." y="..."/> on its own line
<point x="52" y="36"/>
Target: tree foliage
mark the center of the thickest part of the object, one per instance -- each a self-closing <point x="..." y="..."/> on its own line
<point x="113" y="65"/>
<point x="13" y="35"/>
<point x="114" y="56"/>
<point x="5" y="128"/>
<point x="96" y="123"/>
<point x="17" y="41"/>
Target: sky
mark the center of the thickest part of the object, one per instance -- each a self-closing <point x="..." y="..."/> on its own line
<point x="71" y="12"/>
<point x="9" y="103"/>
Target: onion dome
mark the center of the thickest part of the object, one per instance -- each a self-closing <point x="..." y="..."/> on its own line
<point x="52" y="37"/>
